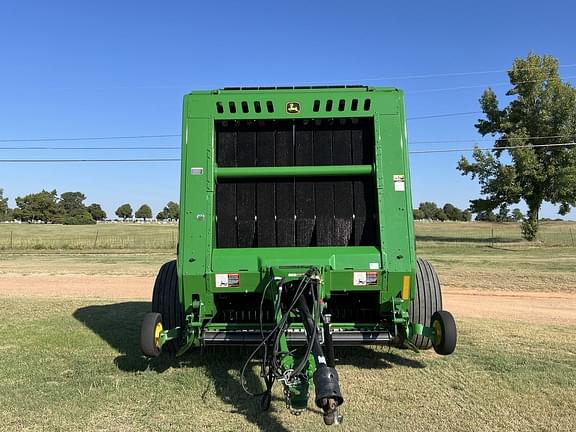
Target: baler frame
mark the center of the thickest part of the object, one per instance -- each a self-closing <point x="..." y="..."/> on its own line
<point x="212" y="269"/>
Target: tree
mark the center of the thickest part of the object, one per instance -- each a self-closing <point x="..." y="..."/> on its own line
<point x="144" y="212"/>
<point x="418" y="214"/>
<point x="171" y="211"/>
<point x="429" y="209"/>
<point x="440" y="215"/>
<point x="41" y="206"/>
<point x="542" y="113"/>
<point x="96" y="212"/>
<point x="503" y="214"/>
<point x="124" y="211"/>
<point x="452" y="213"/>
<point x="72" y="210"/>
<point x="5" y="212"/>
<point x="517" y="215"/>
<point x="486" y="216"/>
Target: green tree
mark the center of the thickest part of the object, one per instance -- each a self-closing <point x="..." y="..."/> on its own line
<point x="124" y="211"/>
<point x="4" y="210"/>
<point x="96" y="212"/>
<point x="452" y="212"/>
<point x="171" y="212"/>
<point x="418" y="214"/>
<point x="466" y="216"/>
<point x="144" y="212"/>
<point x="429" y="209"/>
<point x="486" y="216"/>
<point x="543" y="112"/>
<point x="517" y="215"/>
<point x="440" y="215"/>
<point x="72" y="210"/>
<point x="41" y="206"/>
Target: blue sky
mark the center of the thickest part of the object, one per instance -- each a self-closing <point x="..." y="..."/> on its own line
<point x="109" y="68"/>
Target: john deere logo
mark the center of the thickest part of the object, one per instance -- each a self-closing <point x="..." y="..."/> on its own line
<point x="293" y="107"/>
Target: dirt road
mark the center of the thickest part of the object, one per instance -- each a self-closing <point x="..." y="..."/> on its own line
<point x="539" y="307"/>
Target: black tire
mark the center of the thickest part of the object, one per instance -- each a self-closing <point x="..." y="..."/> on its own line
<point x="149" y="342"/>
<point x="448" y="333"/>
<point x="166" y="301"/>
<point x="427" y="301"/>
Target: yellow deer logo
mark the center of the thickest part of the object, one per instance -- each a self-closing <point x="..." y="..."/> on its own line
<point x="293" y="107"/>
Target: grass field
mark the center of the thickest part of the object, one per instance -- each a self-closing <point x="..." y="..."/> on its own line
<point x="88" y="237"/>
<point x="69" y="364"/>
<point x="72" y="365"/>
<point x="164" y="236"/>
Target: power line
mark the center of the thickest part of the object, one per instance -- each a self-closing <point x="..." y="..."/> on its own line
<point x="87" y="160"/>
<point x="355" y="80"/>
<point x="485" y="140"/>
<point x="444" y="115"/>
<point x="139" y="137"/>
<point x="90" y="148"/>
<point x="178" y="159"/>
<point x="478" y="86"/>
<point x="438" y="75"/>
<point x="492" y="148"/>
<point x="96" y="138"/>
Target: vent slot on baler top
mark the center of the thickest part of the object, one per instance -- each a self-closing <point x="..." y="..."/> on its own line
<point x="295" y="211"/>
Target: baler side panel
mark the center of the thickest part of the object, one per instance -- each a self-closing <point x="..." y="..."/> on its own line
<point x="393" y="202"/>
<point x="197" y="209"/>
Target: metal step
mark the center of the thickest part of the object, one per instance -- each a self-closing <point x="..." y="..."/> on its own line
<point x="254" y="337"/>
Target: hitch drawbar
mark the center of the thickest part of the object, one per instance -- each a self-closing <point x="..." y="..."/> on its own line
<point x="313" y="361"/>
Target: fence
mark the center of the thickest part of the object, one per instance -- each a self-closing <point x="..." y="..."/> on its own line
<point x="167" y="240"/>
<point x="495" y="235"/>
<point x="426" y="234"/>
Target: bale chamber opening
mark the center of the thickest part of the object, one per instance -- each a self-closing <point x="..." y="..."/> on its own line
<point x="295" y="211"/>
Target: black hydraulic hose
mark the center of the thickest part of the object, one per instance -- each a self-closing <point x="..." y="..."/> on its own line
<point x="311" y="332"/>
<point x="328" y="345"/>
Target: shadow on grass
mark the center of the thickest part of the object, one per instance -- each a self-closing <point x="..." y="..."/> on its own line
<point x="119" y="325"/>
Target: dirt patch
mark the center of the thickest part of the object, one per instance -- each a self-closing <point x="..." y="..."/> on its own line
<point x="541" y="307"/>
<point x="538" y="307"/>
<point x="77" y="286"/>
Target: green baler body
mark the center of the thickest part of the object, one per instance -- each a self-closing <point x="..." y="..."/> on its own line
<point x="202" y="256"/>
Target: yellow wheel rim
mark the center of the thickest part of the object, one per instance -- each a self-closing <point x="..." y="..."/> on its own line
<point x="157" y="330"/>
<point x="437" y="331"/>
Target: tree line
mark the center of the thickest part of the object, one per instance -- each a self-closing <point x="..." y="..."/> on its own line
<point x="430" y="211"/>
<point x="68" y="208"/>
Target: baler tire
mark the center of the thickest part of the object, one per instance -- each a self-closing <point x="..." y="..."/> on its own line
<point x="448" y="333"/>
<point x="166" y="301"/>
<point x="427" y="301"/>
<point x="149" y="334"/>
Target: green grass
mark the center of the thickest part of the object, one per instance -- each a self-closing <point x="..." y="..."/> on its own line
<point x="69" y="365"/>
<point x="164" y="236"/>
<point x="99" y="262"/>
<point x="485" y="233"/>
<point x="503" y="268"/>
<point x="88" y="237"/>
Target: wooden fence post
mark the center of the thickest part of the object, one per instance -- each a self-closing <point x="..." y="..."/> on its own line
<point x="492" y="237"/>
<point x="12" y="239"/>
<point x="95" y="239"/>
<point x="572" y="236"/>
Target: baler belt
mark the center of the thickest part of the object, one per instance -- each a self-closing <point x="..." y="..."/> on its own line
<point x="289" y="211"/>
